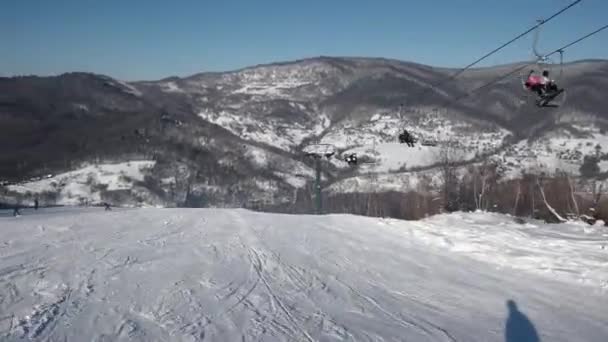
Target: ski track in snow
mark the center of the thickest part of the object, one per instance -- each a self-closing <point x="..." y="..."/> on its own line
<point x="236" y="275"/>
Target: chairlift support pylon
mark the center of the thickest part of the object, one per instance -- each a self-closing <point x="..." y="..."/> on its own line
<point x="318" y="152"/>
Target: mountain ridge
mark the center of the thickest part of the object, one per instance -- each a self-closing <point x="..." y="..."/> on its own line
<point x="300" y="60"/>
<point x="238" y="130"/>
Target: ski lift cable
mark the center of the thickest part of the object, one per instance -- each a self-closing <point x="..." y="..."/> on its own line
<point x="539" y="24"/>
<point x="543" y="59"/>
<point x="518" y="69"/>
<point x="535" y="27"/>
<point x="563" y="48"/>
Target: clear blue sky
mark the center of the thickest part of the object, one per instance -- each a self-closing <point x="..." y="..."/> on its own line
<point x="152" y="39"/>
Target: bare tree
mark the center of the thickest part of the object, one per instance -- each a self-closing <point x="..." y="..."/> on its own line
<point x="485" y="177"/>
<point x="594" y="212"/>
<point x="532" y="201"/>
<point x="573" y="198"/>
<point x="517" y="197"/>
<point x="448" y="159"/>
<point x="549" y="207"/>
<point x="597" y="194"/>
<point x="181" y="186"/>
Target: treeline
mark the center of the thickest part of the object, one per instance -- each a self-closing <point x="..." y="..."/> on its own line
<point x="555" y="198"/>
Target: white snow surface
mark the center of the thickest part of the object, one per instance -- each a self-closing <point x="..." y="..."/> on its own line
<point x="250" y="128"/>
<point x="399" y="166"/>
<point x="236" y="275"/>
<point x="78" y="184"/>
<point x="395" y="156"/>
<point x="279" y="89"/>
<point x="275" y="133"/>
<point x="556" y="152"/>
<point x="376" y="140"/>
<point x="293" y="172"/>
<point x="126" y="87"/>
<point x="171" y="87"/>
<point x="371" y="181"/>
<point x="130" y="88"/>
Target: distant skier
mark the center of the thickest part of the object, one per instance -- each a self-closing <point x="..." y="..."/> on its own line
<point x="16" y="211"/>
<point x="107" y="206"/>
<point x="36" y="204"/>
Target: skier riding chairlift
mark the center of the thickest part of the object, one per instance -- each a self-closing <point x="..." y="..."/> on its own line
<point x="542" y="85"/>
<point x="351" y="159"/>
<point x="406" y="137"/>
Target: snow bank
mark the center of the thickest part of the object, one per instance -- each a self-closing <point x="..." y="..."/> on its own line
<point x="573" y="252"/>
<point x="232" y="275"/>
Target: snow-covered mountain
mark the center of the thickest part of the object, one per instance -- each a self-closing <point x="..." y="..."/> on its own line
<point x="235" y="275"/>
<point x="239" y="137"/>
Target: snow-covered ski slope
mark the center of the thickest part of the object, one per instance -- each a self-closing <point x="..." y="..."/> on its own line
<point x="75" y="186"/>
<point x="237" y="275"/>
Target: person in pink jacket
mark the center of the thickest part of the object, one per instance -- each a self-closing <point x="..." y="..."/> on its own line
<point x="535" y="83"/>
<point x="540" y="84"/>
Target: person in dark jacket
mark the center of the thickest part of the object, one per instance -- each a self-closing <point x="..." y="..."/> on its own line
<point x="406" y="137"/>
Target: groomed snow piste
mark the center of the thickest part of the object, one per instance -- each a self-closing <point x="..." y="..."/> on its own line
<point x="235" y="275"/>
